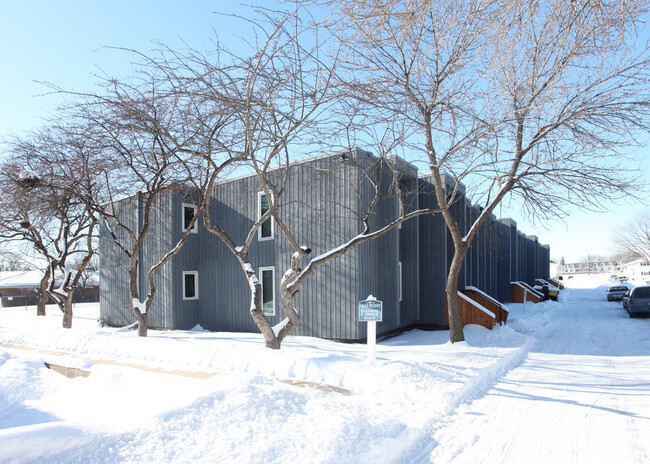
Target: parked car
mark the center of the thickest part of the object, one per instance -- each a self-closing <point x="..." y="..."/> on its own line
<point x="616" y="293"/>
<point x="638" y="302"/>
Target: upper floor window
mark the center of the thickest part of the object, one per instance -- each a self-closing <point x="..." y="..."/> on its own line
<point x="188" y="214"/>
<point x="265" y="232"/>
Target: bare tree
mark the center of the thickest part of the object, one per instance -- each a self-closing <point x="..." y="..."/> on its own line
<point x="41" y="205"/>
<point x="275" y="102"/>
<point x="277" y="97"/>
<point x="88" y="273"/>
<point x="141" y="131"/>
<point x="529" y="101"/>
<point x="13" y="258"/>
<point x="375" y="182"/>
<point x="17" y="211"/>
<point x="633" y="237"/>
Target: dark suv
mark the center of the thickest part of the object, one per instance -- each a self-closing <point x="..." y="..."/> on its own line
<point x="638" y="302"/>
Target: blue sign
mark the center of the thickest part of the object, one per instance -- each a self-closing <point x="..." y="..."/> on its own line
<point x="370" y="310"/>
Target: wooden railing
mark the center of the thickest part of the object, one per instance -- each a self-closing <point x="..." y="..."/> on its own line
<point x="485" y="300"/>
<point x="519" y="289"/>
<point x="472" y="312"/>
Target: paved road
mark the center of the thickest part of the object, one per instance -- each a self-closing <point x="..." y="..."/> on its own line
<point x="581" y="396"/>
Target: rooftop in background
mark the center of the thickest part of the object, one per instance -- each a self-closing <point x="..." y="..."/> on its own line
<point x="32" y="279"/>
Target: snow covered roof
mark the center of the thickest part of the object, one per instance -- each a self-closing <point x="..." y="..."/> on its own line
<point x="20" y="278"/>
<point x="32" y="278"/>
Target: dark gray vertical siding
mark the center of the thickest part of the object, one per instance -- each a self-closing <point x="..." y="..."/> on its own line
<point x="520" y="256"/>
<point x="489" y="247"/>
<point x="531" y="251"/>
<point x="494" y="253"/>
<point x="320" y="193"/>
<point x="471" y="259"/>
<point x="115" y="302"/>
<point x="523" y="257"/>
<point x="323" y="201"/>
<point x="185" y="313"/>
<point x="503" y="255"/>
<point x="545" y="256"/>
<point x="209" y="276"/>
<point x="324" y="195"/>
<point x="478" y="271"/>
<point x="158" y="242"/>
<point x="409" y="249"/>
<point x="483" y="253"/>
<point x="383" y="267"/>
<point x="513" y="251"/>
<point x="433" y="257"/>
<point x="233" y="208"/>
<point x="531" y="255"/>
<point x="458" y="210"/>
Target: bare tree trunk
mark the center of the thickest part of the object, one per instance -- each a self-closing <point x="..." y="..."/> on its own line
<point x="64" y="302"/>
<point x="287" y="295"/>
<point x="143" y="323"/>
<point x="67" y="311"/>
<point x="256" y="310"/>
<point x="453" y="300"/>
<point x="41" y="297"/>
<point x="141" y="317"/>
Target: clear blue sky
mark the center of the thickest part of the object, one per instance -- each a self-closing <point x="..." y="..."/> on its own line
<point x="61" y="42"/>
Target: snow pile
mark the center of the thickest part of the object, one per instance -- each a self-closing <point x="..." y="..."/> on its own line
<point x="197" y="396"/>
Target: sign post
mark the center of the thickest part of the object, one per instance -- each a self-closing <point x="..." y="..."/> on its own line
<point x="370" y="311"/>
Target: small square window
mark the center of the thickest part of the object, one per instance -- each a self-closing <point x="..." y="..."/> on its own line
<point x="188" y="214"/>
<point x="190" y="285"/>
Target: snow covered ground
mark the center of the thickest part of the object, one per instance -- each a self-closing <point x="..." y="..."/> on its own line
<point x="564" y="382"/>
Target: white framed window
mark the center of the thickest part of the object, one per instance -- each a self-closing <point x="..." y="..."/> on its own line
<point x="399" y="277"/>
<point x="266" y="230"/>
<point x="190" y="285"/>
<point x="267" y="278"/>
<point x="189" y="211"/>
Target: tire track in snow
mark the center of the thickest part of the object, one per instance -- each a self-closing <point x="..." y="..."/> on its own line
<point x="472" y="391"/>
<point x="562" y="403"/>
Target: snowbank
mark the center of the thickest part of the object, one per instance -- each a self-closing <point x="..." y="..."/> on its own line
<point x="197" y="396"/>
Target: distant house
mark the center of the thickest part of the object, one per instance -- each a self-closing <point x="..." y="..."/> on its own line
<point x="406" y="268"/>
<point x="20" y="288"/>
<point x="556" y="270"/>
<point x="594" y="267"/>
<point x="637" y="270"/>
